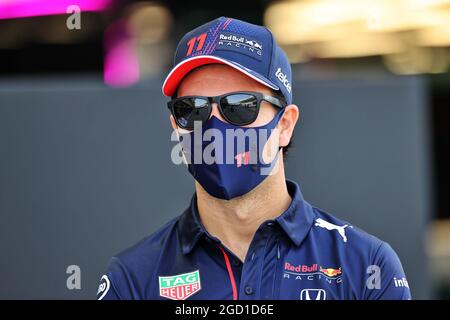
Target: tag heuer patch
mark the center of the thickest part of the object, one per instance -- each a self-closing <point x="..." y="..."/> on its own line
<point x="181" y="286"/>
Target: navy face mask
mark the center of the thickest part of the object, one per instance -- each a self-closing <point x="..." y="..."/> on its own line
<point x="230" y="163"/>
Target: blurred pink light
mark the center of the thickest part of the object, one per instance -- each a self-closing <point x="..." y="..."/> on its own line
<point x="121" y="63"/>
<point x="29" y="8"/>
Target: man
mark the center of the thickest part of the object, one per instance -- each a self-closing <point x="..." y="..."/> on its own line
<point x="248" y="233"/>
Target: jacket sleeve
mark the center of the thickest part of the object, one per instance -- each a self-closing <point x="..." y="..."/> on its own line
<point x="386" y="278"/>
<point x="115" y="284"/>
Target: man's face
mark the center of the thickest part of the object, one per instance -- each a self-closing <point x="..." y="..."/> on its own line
<point x="217" y="79"/>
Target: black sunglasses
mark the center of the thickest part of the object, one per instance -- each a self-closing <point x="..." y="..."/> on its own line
<point x="238" y="108"/>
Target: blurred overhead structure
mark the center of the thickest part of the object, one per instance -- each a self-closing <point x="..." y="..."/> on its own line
<point x="413" y="36"/>
<point x="136" y="45"/>
<point x="410" y="36"/>
<point x="31" y="8"/>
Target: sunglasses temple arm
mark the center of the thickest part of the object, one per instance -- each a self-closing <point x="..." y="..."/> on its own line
<point x="273" y="101"/>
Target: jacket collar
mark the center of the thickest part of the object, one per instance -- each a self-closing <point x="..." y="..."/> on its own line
<point x="298" y="218"/>
<point x="296" y="221"/>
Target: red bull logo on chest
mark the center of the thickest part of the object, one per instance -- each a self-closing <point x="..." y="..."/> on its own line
<point x="312" y="272"/>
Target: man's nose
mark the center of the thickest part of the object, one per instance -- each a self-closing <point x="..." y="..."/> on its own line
<point x="215" y="112"/>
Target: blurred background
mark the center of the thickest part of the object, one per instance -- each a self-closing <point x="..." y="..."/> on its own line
<point x="85" y="168"/>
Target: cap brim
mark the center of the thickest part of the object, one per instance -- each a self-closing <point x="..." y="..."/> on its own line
<point x="184" y="67"/>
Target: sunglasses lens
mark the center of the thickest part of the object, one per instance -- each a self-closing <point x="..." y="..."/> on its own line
<point x="240" y="108"/>
<point x="188" y="110"/>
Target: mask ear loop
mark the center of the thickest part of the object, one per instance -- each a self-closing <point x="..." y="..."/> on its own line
<point x="268" y="170"/>
<point x="184" y="159"/>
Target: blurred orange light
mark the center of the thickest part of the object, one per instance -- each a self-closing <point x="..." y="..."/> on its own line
<point x="357" y="28"/>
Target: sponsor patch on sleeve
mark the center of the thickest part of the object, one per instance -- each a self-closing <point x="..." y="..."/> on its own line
<point x="103" y="288"/>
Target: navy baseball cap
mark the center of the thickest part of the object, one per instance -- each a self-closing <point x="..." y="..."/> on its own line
<point x="249" y="48"/>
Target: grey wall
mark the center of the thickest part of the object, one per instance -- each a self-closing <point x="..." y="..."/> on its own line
<point x="85" y="172"/>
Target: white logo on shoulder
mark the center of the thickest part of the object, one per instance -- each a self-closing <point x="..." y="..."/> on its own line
<point x="103" y="287"/>
<point x="329" y="226"/>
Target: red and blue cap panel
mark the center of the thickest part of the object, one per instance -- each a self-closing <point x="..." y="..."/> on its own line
<point x="249" y="48"/>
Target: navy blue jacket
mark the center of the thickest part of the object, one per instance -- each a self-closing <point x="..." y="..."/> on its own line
<point x="303" y="254"/>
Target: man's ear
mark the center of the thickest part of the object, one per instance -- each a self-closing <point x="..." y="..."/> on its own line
<point x="287" y="123"/>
